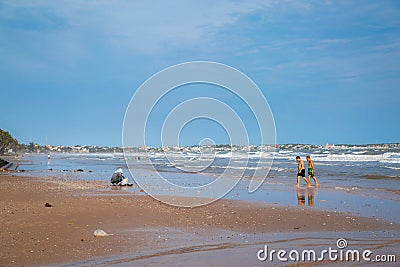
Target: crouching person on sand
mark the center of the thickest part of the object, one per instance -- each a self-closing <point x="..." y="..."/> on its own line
<point x="118" y="178"/>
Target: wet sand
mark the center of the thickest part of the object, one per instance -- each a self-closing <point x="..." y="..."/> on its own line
<point x="33" y="234"/>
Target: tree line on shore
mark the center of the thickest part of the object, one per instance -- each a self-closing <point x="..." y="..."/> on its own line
<point x="8" y="143"/>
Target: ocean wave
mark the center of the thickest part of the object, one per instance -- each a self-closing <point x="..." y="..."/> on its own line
<point x="245" y="156"/>
<point x="329" y="164"/>
<point x="359" y="152"/>
<point x="277" y="169"/>
<point x="237" y="167"/>
<point x="383" y="158"/>
<point x="392" y="154"/>
<point x="195" y="166"/>
<point x="380" y="176"/>
<point x="392" y="167"/>
<point x="391" y="160"/>
<point x="324" y="156"/>
<point x="395" y="191"/>
<point x="341" y="174"/>
<point x="391" y="157"/>
<point x="350" y="157"/>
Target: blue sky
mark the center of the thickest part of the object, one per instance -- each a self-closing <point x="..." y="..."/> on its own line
<point x="330" y="70"/>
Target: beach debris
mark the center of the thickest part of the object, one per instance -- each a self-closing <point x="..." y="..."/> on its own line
<point x="47" y="205"/>
<point x="79" y="170"/>
<point x="100" y="233"/>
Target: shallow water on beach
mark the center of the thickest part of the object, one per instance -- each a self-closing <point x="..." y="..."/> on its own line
<point x="364" y="182"/>
<point x="228" y="248"/>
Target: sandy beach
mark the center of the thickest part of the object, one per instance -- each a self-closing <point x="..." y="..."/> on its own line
<point x="62" y="233"/>
<point x="199" y="133"/>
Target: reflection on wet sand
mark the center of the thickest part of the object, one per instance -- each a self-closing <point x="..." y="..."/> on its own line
<point x="241" y="251"/>
<point x="301" y="196"/>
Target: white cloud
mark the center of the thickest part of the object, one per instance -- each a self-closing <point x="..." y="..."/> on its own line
<point x="141" y="26"/>
<point x="78" y="30"/>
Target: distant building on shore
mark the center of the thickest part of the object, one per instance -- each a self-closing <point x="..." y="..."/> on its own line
<point x="328" y="146"/>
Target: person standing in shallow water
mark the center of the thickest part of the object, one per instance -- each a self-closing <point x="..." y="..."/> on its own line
<point x="311" y="171"/>
<point x="301" y="172"/>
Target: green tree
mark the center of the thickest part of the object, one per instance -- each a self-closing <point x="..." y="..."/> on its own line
<point x="7" y="142"/>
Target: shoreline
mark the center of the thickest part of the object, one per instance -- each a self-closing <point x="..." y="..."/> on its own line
<point x="33" y="234"/>
<point x="358" y="201"/>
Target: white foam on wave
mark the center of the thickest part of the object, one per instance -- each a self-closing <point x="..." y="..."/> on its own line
<point x="397" y="161"/>
<point x="384" y="158"/>
<point x="237" y="167"/>
<point x="346" y="188"/>
<point x="245" y="155"/>
<point x="391" y="157"/>
<point x="351" y="156"/>
<point x="359" y="152"/>
<point x="392" y="167"/>
<point x="278" y="169"/>
<point x="329" y="164"/>
<point x="324" y="156"/>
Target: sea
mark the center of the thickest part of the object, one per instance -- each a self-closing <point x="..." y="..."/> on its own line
<point x="360" y="180"/>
